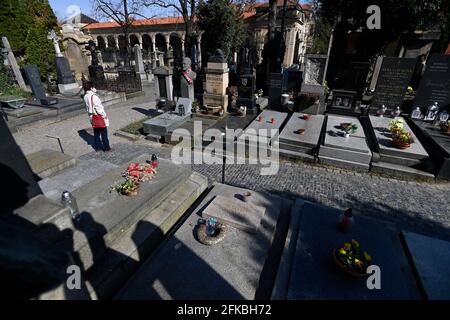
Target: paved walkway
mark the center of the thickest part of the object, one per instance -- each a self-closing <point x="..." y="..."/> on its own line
<point x="419" y="207"/>
<point x="76" y="133"/>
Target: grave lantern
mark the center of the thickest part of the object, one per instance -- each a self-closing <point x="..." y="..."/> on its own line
<point x="432" y="112"/>
<point x="416" y="114"/>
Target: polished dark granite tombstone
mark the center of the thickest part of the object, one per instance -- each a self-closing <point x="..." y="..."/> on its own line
<point x="246" y="92"/>
<point x="275" y="90"/>
<point x="393" y="80"/>
<point x="34" y="79"/>
<point x="435" y="83"/>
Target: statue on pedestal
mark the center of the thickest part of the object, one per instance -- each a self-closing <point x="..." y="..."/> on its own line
<point x="187" y="80"/>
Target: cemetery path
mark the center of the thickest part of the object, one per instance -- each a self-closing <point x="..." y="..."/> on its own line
<point x="76" y="133"/>
<point x="413" y="206"/>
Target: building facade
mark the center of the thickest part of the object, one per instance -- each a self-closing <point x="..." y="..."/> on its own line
<point x="166" y="35"/>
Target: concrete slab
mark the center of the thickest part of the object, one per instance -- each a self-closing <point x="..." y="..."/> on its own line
<point x="235" y="268"/>
<point x="314" y="275"/>
<point x="45" y="163"/>
<point x="235" y="212"/>
<point x="164" y="123"/>
<point x="312" y="128"/>
<point x="384" y="138"/>
<point x="266" y="124"/>
<point x="431" y="258"/>
<point x="400" y="171"/>
<point x="71" y="179"/>
<point x="334" y="135"/>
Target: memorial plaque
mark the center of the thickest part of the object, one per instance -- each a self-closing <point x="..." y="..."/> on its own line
<point x="435" y="83"/>
<point x="235" y="212"/>
<point x="275" y="90"/>
<point x="393" y="80"/>
<point x="63" y="71"/>
<point x="314" y="69"/>
<point x="34" y="79"/>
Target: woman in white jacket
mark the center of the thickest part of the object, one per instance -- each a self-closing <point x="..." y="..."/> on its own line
<point x="94" y="106"/>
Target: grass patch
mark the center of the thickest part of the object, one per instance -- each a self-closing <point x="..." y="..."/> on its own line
<point x="135" y="127"/>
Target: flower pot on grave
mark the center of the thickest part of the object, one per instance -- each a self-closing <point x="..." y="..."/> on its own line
<point x="400" y="144"/>
<point x="345" y="269"/>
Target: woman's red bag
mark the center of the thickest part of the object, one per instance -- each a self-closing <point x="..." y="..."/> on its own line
<point x="97" y="120"/>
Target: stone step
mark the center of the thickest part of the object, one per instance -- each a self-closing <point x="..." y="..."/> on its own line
<point x="75" y="177"/>
<point x="356" y="166"/>
<point x="399" y="160"/>
<point x="400" y="171"/>
<point x="46" y="163"/>
<point x="296" y="155"/>
<point x="345" y="155"/>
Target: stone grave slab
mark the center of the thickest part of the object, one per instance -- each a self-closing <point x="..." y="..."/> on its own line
<point x="110" y="208"/>
<point x="76" y="177"/>
<point x="312" y="127"/>
<point x="189" y="128"/>
<point x="235" y="212"/>
<point x="384" y="139"/>
<point x="314" y="275"/>
<point x="47" y="162"/>
<point x="338" y="150"/>
<point x="266" y="124"/>
<point x="252" y="130"/>
<point x="165" y="123"/>
<point x="234" y="268"/>
<point x="431" y="258"/>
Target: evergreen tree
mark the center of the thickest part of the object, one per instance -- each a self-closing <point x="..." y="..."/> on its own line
<point x="223" y="27"/>
<point x="26" y="24"/>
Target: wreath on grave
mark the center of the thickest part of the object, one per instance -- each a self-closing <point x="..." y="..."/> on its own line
<point x="210" y="231"/>
<point x="350" y="259"/>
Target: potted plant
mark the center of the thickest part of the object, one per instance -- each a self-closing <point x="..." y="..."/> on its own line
<point x="129" y="188"/>
<point x="350" y="259"/>
<point x="396" y="125"/>
<point x="402" y="139"/>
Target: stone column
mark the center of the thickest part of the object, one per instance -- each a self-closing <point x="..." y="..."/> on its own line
<point x="199" y="53"/>
<point x="139" y="36"/>
<point x="167" y="37"/>
<point x="153" y="38"/>
<point x="116" y="41"/>
<point x="290" y="44"/>
<point x="106" y="42"/>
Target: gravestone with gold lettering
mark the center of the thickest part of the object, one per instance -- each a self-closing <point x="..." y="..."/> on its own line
<point x="215" y="97"/>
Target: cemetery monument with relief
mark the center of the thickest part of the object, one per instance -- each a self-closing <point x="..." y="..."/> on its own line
<point x="215" y="98"/>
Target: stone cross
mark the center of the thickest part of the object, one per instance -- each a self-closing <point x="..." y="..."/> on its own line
<point x="12" y="61"/>
<point x="54" y="37"/>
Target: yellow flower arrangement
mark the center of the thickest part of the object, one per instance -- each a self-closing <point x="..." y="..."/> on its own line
<point x="350" y="257"/>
